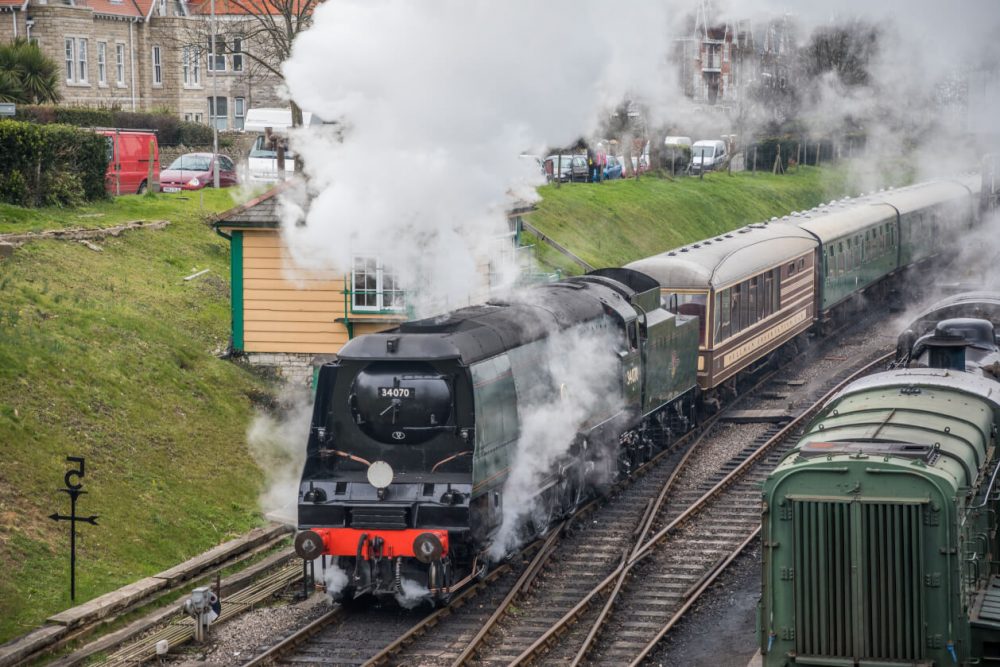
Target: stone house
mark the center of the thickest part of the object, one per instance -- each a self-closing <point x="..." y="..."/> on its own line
<point x="143" y="55"/>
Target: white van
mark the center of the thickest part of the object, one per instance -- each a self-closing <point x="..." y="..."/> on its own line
<point x="707" y="154"/>
<point x="262" y="162"/>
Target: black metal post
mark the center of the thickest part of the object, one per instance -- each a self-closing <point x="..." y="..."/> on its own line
<point x="74" y="490"/>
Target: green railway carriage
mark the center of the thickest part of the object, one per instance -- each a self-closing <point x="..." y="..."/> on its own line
<point x="859" y="246"/>
<point x="879" y="530"/>
<point x="931" y="216"/>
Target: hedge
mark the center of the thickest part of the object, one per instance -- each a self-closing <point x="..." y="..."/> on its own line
<point x="50" y="165"/>
<point x="170" y="131"/>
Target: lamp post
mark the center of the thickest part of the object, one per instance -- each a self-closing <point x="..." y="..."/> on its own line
<point x="215" y="109"/>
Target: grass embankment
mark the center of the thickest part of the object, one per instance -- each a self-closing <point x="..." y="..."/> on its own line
<point x="112" y="356"/>
<point x="111" y="212"/>
<point x="617" y="222"/>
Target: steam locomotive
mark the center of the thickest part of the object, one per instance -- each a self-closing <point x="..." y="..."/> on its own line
<point x="415" y="430"/>
<point x="879" y="533"/>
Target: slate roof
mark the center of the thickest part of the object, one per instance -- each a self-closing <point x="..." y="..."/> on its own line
<point x="260" y="212"/>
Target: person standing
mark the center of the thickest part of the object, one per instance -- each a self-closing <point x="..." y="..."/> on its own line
<point x="591" y="165"/>
<point x="602" y="161"/>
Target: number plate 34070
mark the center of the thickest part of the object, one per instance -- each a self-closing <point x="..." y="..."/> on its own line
<point x="396" y="392"/>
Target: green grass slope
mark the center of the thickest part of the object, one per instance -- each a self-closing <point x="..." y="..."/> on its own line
<point x="616" y="222"/>
<point x="112" y="356"/>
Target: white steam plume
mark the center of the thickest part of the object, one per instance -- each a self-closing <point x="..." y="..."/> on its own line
<point x="434" y="101"/>
<point x="412" y="594"/>
<point x="581" y="365"/>
<point x="278" y="445"/>
<point x="335" y="579"/>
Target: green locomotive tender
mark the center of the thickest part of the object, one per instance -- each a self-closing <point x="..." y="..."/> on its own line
<point x="879" y="530"/>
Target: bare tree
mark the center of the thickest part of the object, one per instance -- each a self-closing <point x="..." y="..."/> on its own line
<point x="268" y="28"/>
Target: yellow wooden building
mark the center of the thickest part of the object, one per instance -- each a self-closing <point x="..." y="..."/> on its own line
<point x="293" y="319"/>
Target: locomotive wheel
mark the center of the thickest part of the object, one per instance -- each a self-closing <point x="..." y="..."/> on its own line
<point x="539" y="521"/>
<point x="572" y="494"/>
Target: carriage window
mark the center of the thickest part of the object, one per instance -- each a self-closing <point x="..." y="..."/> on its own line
<point x="723" y="301"/>
<point x="754" y="300"/>
<point x="841" y="260"/>
<point x="802" y="264"/>
<point x="791" y="268"/>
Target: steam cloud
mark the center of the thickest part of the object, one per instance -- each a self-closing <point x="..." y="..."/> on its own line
<point x="582" y="368"/>
<point x="335" y="579"/>
<point x="434" y="101"/>
<point x="278" y="446"/>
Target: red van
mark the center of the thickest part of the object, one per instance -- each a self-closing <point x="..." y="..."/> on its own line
<point x="128" y="160"/>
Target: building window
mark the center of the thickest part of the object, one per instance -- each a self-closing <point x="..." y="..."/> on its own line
<point x="192" y="66"/>
<point x="70" y="60"/>
<point x="237" y="55"/>
<point x="163" y="7"/>
<point x="239" y="112"/>
<point x="157" y="67"/>
<point x="218" y="112"/>
<point x="120" y="64"/>
<point x="81" y="59"/>
<point x="374" y="287"/>
<point x="219" y="64"/>
<point x="725" y="52"/>
<point x="186" y="67"/>
<point x="102" y="63"/>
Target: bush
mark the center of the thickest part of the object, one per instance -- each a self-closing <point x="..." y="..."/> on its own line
<point x="50" y="164"/>
<point x="13" y="188"/>
<point x="170" y="130"/>
<point x="193" y="134"/>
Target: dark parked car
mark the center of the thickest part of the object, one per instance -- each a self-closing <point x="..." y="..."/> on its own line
<point x="193" y="171"/>
<point x="573" y="168"/>
<point x="613" y="169"/>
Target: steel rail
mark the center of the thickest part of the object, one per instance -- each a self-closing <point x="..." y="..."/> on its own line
<point x="544" y="550"/>
<point x="646" y="549"/>
<point x="694" y="595"/>
<point x="288" y="643"/>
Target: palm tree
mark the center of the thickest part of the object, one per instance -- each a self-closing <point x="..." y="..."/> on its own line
<point x="27" y="75"/>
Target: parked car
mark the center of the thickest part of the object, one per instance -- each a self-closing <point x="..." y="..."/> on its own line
<point x="707" y="154"/>
<point x="262" y="162"/>
<point x="613" y="169"/>
<point x="193" y="171"/>
<point x="128" y="160"/>
<point x="676" y="153"/>
<point x="572" y="168"/>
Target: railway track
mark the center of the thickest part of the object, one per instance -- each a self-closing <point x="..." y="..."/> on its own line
<point x="531" y="605"/>
<point x="336" y="638"/>
<point x="704" y="525"/>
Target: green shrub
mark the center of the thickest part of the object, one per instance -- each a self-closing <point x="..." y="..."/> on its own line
<point x="50" y="163"/>
<point x="13" y="188"/>
<point x="61" y="188"/>
<point x="170" y="130"/>
<point x="194" y="134"/>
